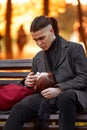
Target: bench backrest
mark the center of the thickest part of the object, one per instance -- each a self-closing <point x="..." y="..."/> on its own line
<point x="12" y="71"/>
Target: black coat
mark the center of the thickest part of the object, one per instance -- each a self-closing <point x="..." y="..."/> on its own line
<point x="70" y="72"/>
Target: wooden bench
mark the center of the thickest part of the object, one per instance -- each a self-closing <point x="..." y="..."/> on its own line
<point x="12" y="71"/>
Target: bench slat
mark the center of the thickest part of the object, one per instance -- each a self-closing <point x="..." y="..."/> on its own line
<point x="9" y="81"/>
<point x="15" y="64"/>
<point x="16" y="61"/>
<point x="13" y="75"/>
<point x="53" y="117"/>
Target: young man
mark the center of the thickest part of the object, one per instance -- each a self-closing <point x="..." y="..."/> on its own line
<point x="67" y="62"/>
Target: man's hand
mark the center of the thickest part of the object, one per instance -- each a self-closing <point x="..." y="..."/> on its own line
<point x="30" y="80"/>
<point x="51" y="92"/>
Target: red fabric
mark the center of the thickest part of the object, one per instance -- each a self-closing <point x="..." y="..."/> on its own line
<point x="11" y="94"/>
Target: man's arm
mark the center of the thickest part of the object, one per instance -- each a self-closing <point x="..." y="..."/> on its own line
<point x="79" y="82"/>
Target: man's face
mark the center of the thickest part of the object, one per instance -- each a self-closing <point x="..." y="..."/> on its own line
<point x="44" y="37"/>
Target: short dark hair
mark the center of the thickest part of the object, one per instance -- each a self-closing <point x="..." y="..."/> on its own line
<point x="39" y="23"/>
<point x="54" y="25"/>
<point x="42" y="21"/>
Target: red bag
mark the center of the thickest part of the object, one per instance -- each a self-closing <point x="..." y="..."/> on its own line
<point x="11" y="94"/>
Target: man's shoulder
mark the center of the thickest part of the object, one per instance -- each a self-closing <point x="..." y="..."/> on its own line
<point x="74" y="45"/>
<point x="68" y="43"/>
<point x="39" y="54"/>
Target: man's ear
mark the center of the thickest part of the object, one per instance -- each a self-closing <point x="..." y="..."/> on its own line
<point x="51" y="30"/>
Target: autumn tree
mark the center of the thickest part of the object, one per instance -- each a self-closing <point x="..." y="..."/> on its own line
<point x="7" y="31"/>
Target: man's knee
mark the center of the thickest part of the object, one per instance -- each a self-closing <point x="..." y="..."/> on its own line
<point x="66" y="97"/>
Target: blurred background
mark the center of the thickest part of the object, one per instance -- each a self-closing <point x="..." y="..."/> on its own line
<point x="17" y="15"/>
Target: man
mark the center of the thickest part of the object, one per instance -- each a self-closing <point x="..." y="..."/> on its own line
<point x="67" y="62"/>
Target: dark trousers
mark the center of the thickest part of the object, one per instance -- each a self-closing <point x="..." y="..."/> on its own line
<point x="67" y="105"/>
<point x="24" y="110"/>
<point x="43" y="115"/>
<point x="66" y="102"/>
<point x="30" y="106"/>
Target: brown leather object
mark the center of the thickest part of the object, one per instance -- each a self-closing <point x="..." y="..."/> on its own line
<point x="44" y="80"/>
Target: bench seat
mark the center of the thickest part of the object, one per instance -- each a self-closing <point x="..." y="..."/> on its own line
<point x="13" y="71"/>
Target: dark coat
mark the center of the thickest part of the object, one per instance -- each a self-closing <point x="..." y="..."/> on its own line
<point x="70" y="72"/>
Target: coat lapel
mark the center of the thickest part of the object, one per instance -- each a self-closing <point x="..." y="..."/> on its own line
<point x="42" y="62"/>
<point x="63" y="51"/>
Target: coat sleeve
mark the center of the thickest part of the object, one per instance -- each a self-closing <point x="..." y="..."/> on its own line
<point x="79" y="82"/>
<point x="34" y="66"/>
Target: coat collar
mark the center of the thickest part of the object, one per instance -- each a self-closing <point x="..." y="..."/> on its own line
<point x="42" y="63"/>
<point x="42" y="60"/>
<point x="64" y="46"/>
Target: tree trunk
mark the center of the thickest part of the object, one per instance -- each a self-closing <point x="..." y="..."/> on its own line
<point x="7" y="32"/>
<point x="46" y="7"/>
<point x="81" y="30"/>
